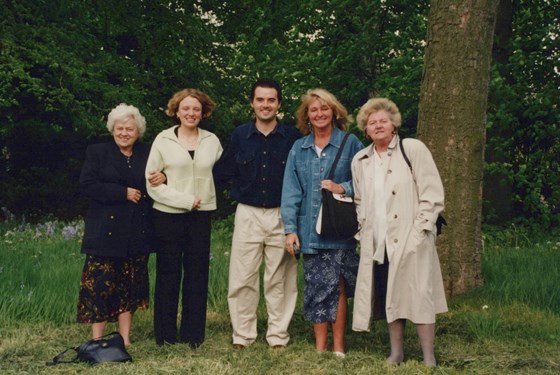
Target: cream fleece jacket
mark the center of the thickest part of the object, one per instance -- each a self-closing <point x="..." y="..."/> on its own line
<point x="187" y="178"/>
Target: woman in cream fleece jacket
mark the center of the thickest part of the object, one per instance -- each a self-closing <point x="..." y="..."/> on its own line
<point x="182" y="207"/>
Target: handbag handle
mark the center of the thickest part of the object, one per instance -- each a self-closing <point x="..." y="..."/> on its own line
<point x="337" y="157"/>
<point x="58" y="358"/>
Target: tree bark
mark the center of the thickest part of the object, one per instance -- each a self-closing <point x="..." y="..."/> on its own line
<point x="452" y="123"/>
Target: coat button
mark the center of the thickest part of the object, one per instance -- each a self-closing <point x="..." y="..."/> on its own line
<point x="112" y="217"/>
<point x="394" y="192"/>
<point x="396" y="240"/>
<point x="389" y="171"/>
<point x="396" y="216"/>
<point x="109" y="234"/>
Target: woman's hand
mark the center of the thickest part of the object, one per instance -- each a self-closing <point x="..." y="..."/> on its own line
<point x="332" y="186"/>
<point x="291" y="243"/>
<point x="196" y="203"/>
<point x="156" y="178"/>
<point x="133" y="195"/>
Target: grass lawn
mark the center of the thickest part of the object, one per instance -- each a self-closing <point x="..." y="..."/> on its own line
<point x="512" y="325"/>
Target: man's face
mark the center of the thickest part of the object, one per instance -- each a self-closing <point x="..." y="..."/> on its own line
<point x="265" y="104"/>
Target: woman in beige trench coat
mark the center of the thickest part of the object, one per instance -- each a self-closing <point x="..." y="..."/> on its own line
<point x="399" y="276"/>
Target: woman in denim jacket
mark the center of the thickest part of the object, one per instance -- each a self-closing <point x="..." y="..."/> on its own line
<point x="330" y="265"/>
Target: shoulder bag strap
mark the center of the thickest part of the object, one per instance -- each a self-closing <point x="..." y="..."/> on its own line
<point x="404" y="155"/>
<point x="333" y="167"/>
<point x="440" y="222"/>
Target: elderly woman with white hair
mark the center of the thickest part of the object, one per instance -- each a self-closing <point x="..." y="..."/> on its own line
<point x="399" y="276"/>
<point x="117" y="235"/>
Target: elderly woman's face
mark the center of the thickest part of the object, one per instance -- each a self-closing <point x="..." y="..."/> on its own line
<point x="320" y="114"/>
<point x="190" y="112"/>
<point x="379" y="127"/>
<point x="125" y="133"/>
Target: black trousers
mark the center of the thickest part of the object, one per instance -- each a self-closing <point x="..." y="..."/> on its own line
<point x="380" y="275"/>
<point x="183" y="251"/>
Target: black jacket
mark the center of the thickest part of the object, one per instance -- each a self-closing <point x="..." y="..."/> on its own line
<point x="115" y="226"/>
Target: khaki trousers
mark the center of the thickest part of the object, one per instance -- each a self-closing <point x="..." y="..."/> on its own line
<point x="258" y="235"/>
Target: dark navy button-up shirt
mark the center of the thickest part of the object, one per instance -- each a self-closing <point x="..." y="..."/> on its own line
<point x="254" y="164"/>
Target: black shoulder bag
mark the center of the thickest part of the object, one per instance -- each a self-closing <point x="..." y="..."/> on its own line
<point x="337" y="217"/>
<point x="440" y="222"/>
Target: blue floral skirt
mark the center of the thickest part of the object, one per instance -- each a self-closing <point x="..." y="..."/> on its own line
<point x="111" y="286"/>
<point x="321" y="274"/>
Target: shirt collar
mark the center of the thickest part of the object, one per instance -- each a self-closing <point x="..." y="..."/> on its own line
<point x="279" y="128"/>
<point x="370" y="149"/>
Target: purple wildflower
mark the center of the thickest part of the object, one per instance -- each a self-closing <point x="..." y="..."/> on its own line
<point x="70" y="232"/>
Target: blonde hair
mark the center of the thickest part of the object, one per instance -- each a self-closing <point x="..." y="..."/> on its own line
<point x="340" y="114"/>
<point x="123" y="112"/>
<point x="379" y="104"/>
<point x="208" y="104"/>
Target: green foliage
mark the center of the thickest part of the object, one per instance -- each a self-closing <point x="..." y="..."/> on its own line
<point x="65" y="64"/>
<point x="524" y="110"/>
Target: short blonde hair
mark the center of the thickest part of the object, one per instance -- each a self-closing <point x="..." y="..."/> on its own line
<point x="340" y="114"/>
<point x="123" y="112"/>
<point x="208" y="104"/>
<point x="379" y="104"/>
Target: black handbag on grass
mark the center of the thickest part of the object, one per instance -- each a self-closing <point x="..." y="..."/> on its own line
<point x="337" y="216"/>
<point x="109" y="348"/>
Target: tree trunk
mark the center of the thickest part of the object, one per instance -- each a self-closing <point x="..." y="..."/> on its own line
<point x="452" y="123"/>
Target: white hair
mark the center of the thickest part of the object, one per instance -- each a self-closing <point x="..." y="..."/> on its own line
<point x="123" y="112"/>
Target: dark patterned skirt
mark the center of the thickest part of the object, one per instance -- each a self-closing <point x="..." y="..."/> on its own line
<point x="321" y="274"/>
<point x="111" y="286"/>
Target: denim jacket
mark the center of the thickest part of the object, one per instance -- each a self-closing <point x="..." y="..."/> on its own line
<point x="301" y="190"/>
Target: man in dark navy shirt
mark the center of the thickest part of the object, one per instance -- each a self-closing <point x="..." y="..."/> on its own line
<point x="253" y="162"/>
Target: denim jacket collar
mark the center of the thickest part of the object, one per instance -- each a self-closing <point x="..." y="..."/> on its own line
<point x="335" y="140"/>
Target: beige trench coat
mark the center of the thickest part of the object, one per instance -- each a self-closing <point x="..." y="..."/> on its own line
<point x="414" y="286"/>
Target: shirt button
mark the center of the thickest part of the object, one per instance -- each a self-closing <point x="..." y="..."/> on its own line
<point x="396" y="216"/>
<point x="389" y="171"/>
<point x="388" y="154"/>
<point x="396" y="240"/>
<point x="109" y="234"/>
<point x="112" y="217"/>
<point x="394" y="192"/>
<point x="264" y="165"/>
